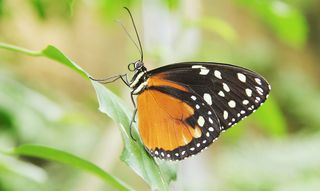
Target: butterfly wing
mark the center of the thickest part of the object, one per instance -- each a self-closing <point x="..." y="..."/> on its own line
<point x="186" y="105"/>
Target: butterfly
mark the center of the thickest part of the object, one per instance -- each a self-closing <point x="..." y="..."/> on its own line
<point x="182" y="108"/>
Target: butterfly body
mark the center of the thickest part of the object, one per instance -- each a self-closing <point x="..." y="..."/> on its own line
<point x="182" y="108"/>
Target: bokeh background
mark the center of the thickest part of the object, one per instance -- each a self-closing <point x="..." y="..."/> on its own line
<point x="43" y="102"/>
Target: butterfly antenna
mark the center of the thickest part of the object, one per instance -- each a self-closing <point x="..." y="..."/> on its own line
<point x="135" y="29"/>
<point x="128" y="34"/>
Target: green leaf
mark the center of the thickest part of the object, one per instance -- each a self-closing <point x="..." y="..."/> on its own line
<point x="134" y="154"/>
<point x="55" y="54"/>
<point x="39" y="6"/>
<point x="287" y="22"/>
<point x="271" y="119"/>
<point x="68" y="159"/>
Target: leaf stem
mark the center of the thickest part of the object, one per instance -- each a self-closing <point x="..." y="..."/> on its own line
<point x="19" y="49"/>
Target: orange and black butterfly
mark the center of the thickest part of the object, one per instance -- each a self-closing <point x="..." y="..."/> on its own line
<point x="182" y="108"/>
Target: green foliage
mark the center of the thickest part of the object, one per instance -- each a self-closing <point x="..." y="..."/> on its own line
<point x="1" y="7"/>
<point x="19" y="175"/>
<point x="45" y="8"/>
<point x="287" y="22"/>
<point x="39" y="6"/>
<point x="271" y="119"/>
<point x="172" y="4"/>
<point x="111" y="9"/>
<point x="134" y="153"/>
<point x="68" y="159"/>
<point x="274" y="149"/>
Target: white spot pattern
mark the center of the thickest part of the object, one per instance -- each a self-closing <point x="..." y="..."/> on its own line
<point x="245" y="102"/>
<point x="200" y="121"/>
<point x="258" y="81"/>
<point x="232" y="104"/>
<point x="204" y="71"/>
<point x="196" y="66"/>
<point x="221" y="94"/>
<point x="225" y="114"/>
<point x="259" y="90"/>
<point x="226" y="87"/>
<point x="207" y="98"/>
<point x="194" y="98"/>
<point x="210" y="120"/>
<point x="242" y="77"/>
<point x="217" y="74"/>
<point x="249" y="92"/>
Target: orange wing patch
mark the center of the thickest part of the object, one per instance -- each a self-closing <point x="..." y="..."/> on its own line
<point x="159" y="80"/>
<point x="161" y="118"/>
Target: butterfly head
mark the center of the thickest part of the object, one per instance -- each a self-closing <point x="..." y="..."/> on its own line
<point x="140" y="74"/>
<point x="136" y="67"/>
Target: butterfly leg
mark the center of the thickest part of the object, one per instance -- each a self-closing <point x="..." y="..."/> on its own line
<point x="131" y="122"/>
<point x="133" y="119"/>
<point x="123" y="77"/>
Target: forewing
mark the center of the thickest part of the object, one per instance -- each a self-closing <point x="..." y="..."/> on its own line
<point x="231" y="91"/>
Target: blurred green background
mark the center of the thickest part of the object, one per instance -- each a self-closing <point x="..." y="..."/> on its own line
<point x="42" y="102"/>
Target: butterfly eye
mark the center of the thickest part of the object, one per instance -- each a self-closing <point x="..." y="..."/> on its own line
<point x="138" y="64"/>
<point x="131" y="67"/>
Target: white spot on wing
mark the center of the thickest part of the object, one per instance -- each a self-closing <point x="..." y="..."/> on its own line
<point x="194" y="97"/>
<point x="210" y="120"/>
<point x="196" y="66"/>
<point x="207" y="98"/>
<point x="249" y="92"/>
<point x="245" y="102"/>
<point x="221" y="94"/>
<point x="217" y="74"/>
<point x="258" y="81"/>
<point x="232" y="104"/>
<point x="226" y="87"/>
<point x="225" y="115"/>
<point x="204" y="71"/>
<point x="211" y="129"/>
<point x="259" y="90"/>
<point x="200" y="121"/>
<point x="242" y="77"/>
